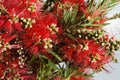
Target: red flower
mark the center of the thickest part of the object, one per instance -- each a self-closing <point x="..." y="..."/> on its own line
<point x="69" y="54"/>
<point x="17" y="27"/>
<point x="14" y="6"/>
<point x="26" y="30"/>
<point x="34" y="37"/>
<point x="72" y="1"/>
<point x="25" y="75"/>
<point x="91" y="54"/>
<point x="2" y="67"/>
<point x="34" y="50"/>
<point x="77" y="78"/>
<point x="57" y="78"/>
<point x="8" y="27"/>
<point x="1" y="23"/>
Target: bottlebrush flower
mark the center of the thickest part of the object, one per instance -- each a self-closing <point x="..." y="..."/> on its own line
<point x="40" y="33"/>
<point x="5" y="40"/>
<point x="78" y="78"/>
<point x="87" y="55"/>
<point x="2" y="67"/>
<point x="22" y="8"/>
<point x="9" y="26"/>
<point x="9" y="67"/>
<point x="94" y="14"/>
<point x="57" y="78"/>
<point x="25" y="74"/>
<point x="72" y="2"/>
<point x="14" y="7"/>
<point x="35" y="37"/>
<point x="34" y="49"/>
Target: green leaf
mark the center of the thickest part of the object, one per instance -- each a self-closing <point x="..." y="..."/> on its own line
<point x="42" y="56"/>
<point x="54" y="54"/>
<point x="92" y="25"/>
<point x="74" y="14"/>
<point x="71" y="37"/>
<point x="66" y="70"/>
<point x="32" y="59"/>
<point x="66" y="16"/>
<point x="69" y="16"/>
<point x="91" y="4"/>
<point x="114" y="1"/>
<point x="111" y="5"/>
<point x="90" y="75"/>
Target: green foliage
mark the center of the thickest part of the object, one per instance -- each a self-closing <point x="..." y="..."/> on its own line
<point x="69" y="15"/>
<point x="47" y="70"/>
<point x="54" y="54"/>
<point x="114" y="1"/>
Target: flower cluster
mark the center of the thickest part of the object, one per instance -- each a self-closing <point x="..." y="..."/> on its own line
<point x="36" y="37"/>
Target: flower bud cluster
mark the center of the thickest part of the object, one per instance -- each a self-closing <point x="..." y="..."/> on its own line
<point x="27" y="22"/>
<point x="21" y="57"/>
<point x="47" y="43"/>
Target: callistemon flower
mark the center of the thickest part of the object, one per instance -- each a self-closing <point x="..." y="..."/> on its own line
<point x="94" y="14"/>
<point x="14" y="7"/>
<point x="5" y="40"/>
<point x="41" y="34"/>
<point x="18" y="6"/>
<point x="88" y="54"/>
<point x="97" y="56"/>
<point x="78" y="78"/>
<point x="7" y="65"/>
<point x="26" y="74"/>
<point x="73" y="2"/>
<point x="10" y="68"/>
<point x="34" y="41"/>
<point x="17" y="12"/>
<point x="2" y="67"/>
<point x="57" y="78"/>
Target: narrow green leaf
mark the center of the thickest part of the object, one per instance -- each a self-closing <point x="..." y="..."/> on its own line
<point x="32" y="59"/>
<point x="42" y="56"/>
<point x="54" y="54"/>
<point x="97" y="25"/>
<point x="74" y="13"/>
<point x="71" y="37"/>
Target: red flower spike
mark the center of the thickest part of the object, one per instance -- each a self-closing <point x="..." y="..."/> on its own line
<point x="1" y="23"/>
<point x="57" y="78"/>
<point x="77" y="78"/>
<point x="25" y="75"/>
<point x="69" y="54"/>
<point x="26" y="30"/>
<point x="9" y="38"/>
<point x="72" y="2"/>
<point x="89" y="57"/>
<point x="15" y="64"/>
<point x="13" y="7"/>
<point x="8" y="27"/>
<point x="2" y="67"/>
<point x="17" y="26"/>
<point x="34" y="50"/>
